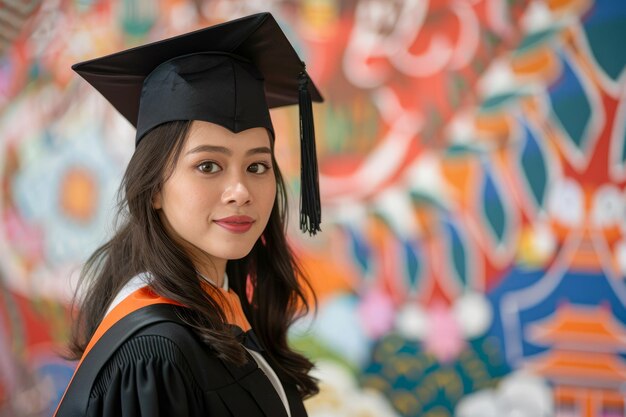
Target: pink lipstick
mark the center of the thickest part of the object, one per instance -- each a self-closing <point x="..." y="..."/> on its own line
<point x="235" y="224"/>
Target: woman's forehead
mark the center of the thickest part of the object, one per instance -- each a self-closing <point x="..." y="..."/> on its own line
<point x="206" y="133"/>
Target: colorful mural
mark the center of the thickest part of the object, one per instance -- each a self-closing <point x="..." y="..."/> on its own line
<point x="473" y="173"/>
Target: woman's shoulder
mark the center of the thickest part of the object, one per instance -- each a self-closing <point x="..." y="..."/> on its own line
<point x="167" y="347"/>
<point x="155" y="373"/>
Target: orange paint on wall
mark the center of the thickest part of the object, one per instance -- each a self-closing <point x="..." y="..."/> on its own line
<point x="493" y="126"/>
<point x="78" y="195"/>
<point x="330" y="277"/>
<point x="540" y="62"/>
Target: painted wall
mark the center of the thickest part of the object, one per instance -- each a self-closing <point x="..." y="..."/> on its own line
<point x="472" y="156"/>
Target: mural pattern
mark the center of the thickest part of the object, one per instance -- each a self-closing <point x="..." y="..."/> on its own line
<point x="473" y="172"/>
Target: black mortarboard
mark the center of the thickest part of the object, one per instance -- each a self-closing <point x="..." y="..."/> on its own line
<point x="229" y="74"/>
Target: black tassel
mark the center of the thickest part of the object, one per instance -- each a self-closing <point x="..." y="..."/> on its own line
<point x="310" y="207"/>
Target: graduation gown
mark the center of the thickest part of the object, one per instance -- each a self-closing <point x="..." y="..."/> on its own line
<point x="162" y="368"/>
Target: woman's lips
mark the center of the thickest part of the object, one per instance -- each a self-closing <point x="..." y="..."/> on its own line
<point x="235" y="224"/>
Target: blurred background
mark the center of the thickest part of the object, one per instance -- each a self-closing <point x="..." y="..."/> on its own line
<point x="473" y="165"/>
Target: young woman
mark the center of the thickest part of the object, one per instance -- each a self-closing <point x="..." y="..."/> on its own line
<point x="186" y="309"/>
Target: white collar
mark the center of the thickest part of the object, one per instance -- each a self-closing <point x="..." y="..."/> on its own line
<point x="210" y="281"/>
<point x="133" y="284"/>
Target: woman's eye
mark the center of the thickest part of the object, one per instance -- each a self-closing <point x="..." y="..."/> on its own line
<point x="209" y="167"/>
<point x="258" y="168"/>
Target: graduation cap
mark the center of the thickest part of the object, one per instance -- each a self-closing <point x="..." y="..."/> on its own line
<point x="229" y="74"/>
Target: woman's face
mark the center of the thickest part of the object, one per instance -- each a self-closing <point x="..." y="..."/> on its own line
<point x="221" y="191"/>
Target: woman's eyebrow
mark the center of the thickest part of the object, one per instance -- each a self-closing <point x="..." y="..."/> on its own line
<point x="255" y="151"/>
<point x="227" y="151"/>
<point x="210" y="148"/>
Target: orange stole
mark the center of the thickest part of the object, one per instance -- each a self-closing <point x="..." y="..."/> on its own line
<point x="145" y="296"/>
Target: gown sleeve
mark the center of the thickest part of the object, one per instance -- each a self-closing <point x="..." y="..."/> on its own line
<point x="147" y="377"/>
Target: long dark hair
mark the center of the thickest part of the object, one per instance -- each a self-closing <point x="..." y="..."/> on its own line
<point x="141" y="244"/>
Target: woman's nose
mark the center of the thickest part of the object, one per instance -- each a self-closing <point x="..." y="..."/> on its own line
<point x="236" y="193"/>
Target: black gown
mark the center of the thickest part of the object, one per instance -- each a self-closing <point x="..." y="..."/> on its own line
<point x="165" y="370"/>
